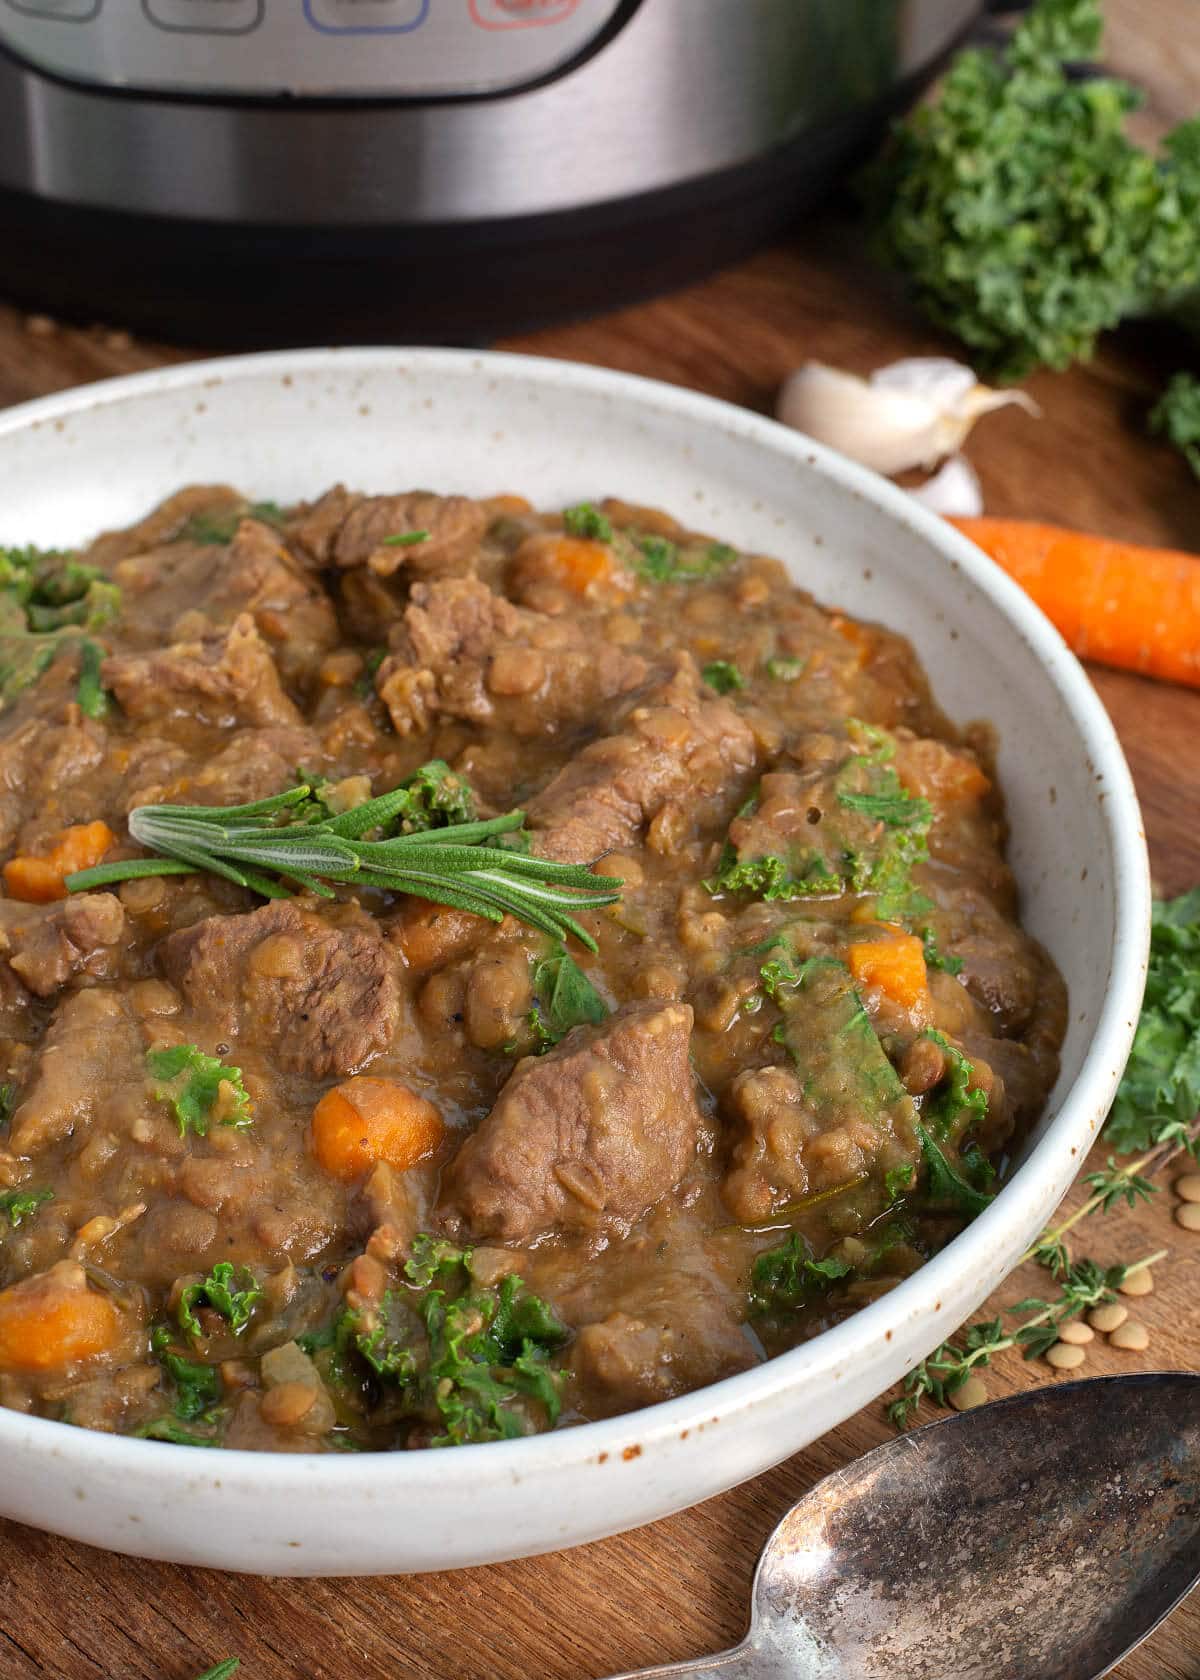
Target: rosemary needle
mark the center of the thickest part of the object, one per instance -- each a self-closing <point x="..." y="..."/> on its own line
<point x="258" y="846"/>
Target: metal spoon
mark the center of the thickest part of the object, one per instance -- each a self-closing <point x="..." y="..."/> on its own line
<point x="1038" y="1538"/>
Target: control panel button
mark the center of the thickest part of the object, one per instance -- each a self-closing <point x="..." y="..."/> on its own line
<point x="205" y="17"/>
<point x="520" y="14"/>
<point x="366" y="17"/>
<point x="67" y="11"/>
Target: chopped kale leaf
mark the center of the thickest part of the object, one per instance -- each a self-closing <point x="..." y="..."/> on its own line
<point x="587" y="521"/>
<point x="723" y="676"/>
<point x="663" y="560"/>
<point x="47" y="599"/>
<point x="168" y="1428"/>
<point x="200" y="1089"/>
<point x="947" y="1189"/>
<point x="232" y="1292"/>
<point x="854" y="828"/>
<point x="954" y="1106"/>
<point x="219" y="525"/>
<point x="197" y="1386"/>
<point x="1161" y="1082"/>
<point x="788" y="1277"/>
<point x="564" y="997"/>
<point x="17" y="1206"/>
<point x="934" y="957"/>
<point x="456" y="1357"/>
<point x="90" y="693"/>
<point x="897" y="1181"/>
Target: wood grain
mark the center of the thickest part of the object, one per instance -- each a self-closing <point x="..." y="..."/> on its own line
<point x="679" y="1588"/>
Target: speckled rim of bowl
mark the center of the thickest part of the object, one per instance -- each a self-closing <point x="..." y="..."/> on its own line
<point x="1041" y="1179"/>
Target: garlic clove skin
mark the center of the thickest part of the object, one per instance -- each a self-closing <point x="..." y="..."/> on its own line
<point x="954" y="491"/>
<point x="912" y="413"/>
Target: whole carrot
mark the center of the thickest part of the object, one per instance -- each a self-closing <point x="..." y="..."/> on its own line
<point x="1118" y="603"/>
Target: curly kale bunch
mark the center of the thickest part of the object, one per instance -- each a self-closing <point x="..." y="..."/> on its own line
<point x="1176" y="416"/>
<point x="1024" y="218"/>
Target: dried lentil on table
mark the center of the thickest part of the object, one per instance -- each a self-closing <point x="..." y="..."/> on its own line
<point x="1063" y="1357"/>
<point x="1076" y="1333"/>
<point x="1107" y="1317"/>
<point x="971" y="1394"/>
<point x="1131" y="1337"/>
<point x="1138" y="1283"/>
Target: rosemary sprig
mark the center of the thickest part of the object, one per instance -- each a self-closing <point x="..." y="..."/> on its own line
<point x="258" y="847"/>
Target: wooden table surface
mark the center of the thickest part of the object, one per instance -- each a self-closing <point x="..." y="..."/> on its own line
<point x="679" y="1588"/>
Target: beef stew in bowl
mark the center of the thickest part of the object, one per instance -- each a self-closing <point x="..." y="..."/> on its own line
<point x="442" y="1144"/>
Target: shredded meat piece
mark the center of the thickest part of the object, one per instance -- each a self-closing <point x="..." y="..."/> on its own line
<point x="468" y="653"/>
<point x="678" y="747"/>
<point x="49" y="944"/>
<point x="91" y="1055"/>
<point x="184" y="591"/>
<point x="346" y="530"/>
<point x="324" y="998"/>
<point x="40" y="764"/>
<point x="586" y="1137"/>
<point x="651" y="1350"/>
<point x="221" y="680"/>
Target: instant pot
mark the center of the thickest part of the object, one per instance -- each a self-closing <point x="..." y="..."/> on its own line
<point x="271" y="170"/>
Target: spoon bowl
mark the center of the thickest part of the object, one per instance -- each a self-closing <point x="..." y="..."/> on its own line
<point x="1037" y="1538"/>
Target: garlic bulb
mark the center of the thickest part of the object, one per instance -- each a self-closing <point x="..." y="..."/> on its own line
<point x="911" y="414"/>
<point x="954" y="491"/>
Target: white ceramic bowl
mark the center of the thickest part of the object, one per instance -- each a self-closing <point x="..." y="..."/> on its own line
<point x="285" y="426"/>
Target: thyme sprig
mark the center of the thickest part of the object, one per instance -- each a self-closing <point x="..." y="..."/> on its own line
<point x="1084" y="1285"/>
<point x="256" y="846"/>
<point x="1131" y="1182"/>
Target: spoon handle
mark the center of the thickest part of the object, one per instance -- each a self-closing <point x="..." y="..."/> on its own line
<point x="741" y="1663"/>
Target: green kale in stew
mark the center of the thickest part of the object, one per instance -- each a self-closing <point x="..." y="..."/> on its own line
<point x="468" y="971"/>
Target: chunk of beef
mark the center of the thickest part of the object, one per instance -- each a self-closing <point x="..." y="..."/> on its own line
<point x="259" y="1201"/>
<point x="313" y="531"/>
<point x="40" y="765"/>
<point x="370" y="606"/>
<point x="468" y="653"/>
<point x="259" y="763"/>
<point x="585" y="1138"/>
<point x="221" y="680"/>
<point x="1002" y="967"/>
<point x="184" y="591"/>
<point x="670" y="1337"/>
<point x="679" y="746"/>
<point x="48" y="944"/>
<point x="291" y="611"/>
<point x="319" y="992"/>
<point x="255" y="764"/>
<point x="346" y="530"/>
<point x="162" y="525"/>
<point x="91" y="1062"/>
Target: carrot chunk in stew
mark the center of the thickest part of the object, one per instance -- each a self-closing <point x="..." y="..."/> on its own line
<point x="366" y="1121"/>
